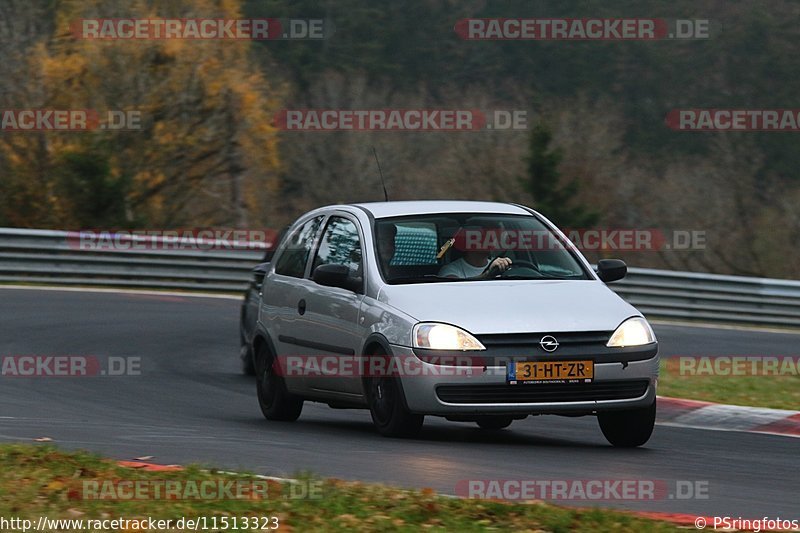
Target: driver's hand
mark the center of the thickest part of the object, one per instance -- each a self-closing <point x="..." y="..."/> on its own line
<point x="499" y="265"/>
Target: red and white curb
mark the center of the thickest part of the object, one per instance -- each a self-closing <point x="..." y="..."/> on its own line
<point x="721" y="417"/>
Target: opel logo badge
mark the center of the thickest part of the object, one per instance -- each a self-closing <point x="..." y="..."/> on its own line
<point x="548" y="343"/>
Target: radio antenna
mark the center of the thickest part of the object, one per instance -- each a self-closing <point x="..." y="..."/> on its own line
<point x="380" y="172"/>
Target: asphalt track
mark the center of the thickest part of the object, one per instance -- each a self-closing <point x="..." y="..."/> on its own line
<point x="191" y="404"/>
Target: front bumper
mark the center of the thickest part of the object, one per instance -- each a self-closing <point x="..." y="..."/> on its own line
<point x="458" y="391"/>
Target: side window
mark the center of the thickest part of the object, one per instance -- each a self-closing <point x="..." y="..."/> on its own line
<point x="294" y="257"/>
<point x="340" y="245"/>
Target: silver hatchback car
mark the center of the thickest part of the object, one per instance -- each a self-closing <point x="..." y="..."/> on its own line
<point x="473" y="311"/>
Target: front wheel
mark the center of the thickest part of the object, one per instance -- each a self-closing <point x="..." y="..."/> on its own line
<point x="628" y="428"/>
<point x="388" y="409"/>
<point x="274" y="399"/>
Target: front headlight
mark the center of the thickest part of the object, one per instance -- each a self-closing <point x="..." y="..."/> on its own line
<point x="435" y="336"/>
<point x="633" y="332"/>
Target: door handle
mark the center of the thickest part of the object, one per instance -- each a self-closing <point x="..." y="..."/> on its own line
<point x="301" y="307"/>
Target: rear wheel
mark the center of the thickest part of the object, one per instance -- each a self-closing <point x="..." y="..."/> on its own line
<point x="248" y="367"/>
<point x="246" y="352"/>
<point x="387" y="405"/>
<point x="274" y="399"/>
<point x="629" y="428"/>
<point x="494" y="423"/>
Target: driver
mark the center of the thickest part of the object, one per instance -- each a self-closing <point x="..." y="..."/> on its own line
<point x="475" y="264"/>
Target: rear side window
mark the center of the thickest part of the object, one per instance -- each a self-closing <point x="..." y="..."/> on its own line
<point x="415" y="244"/>
<point x="297" y="248"/>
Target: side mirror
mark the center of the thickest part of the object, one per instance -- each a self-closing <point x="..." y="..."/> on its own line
<point x="336" y="276"/>
<point x="258" y="274"/>
<point x="609" y="270"/>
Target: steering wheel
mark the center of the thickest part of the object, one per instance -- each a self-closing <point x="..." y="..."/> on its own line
<point x="521" y="263"/>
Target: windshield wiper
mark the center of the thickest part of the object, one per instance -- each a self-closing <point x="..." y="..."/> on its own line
<point x="519" y="276"/>
<point x="423" y="278"/>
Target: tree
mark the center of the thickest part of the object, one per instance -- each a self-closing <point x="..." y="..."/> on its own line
<point x="206" y="152"/>
<point x="92" y="196"/>
<point x="550" y="197"/>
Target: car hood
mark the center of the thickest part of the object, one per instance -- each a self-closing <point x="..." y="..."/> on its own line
<point x="517" y="306"/>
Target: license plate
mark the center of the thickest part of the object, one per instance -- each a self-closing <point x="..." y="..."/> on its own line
<point x="551" y="372"/>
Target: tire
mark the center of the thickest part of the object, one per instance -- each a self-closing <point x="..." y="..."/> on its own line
<point x="246" y="352"/>
<point x="248" y="366"/>
<point x="275" y="401"/>
<point x="629" y="428"/>
<point x="494" y="423"/>
<point x="387" y="406"/>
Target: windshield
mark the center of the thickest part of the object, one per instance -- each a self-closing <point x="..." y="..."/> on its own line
<point x="434" y="248"/>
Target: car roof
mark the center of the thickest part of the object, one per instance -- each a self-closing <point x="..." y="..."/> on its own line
<point x="422" y="207"/>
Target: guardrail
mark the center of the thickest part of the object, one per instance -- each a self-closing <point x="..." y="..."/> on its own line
<point x="44" y="256"/>
<point x="55" y="257"/>
<point x="712" y="297"/>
